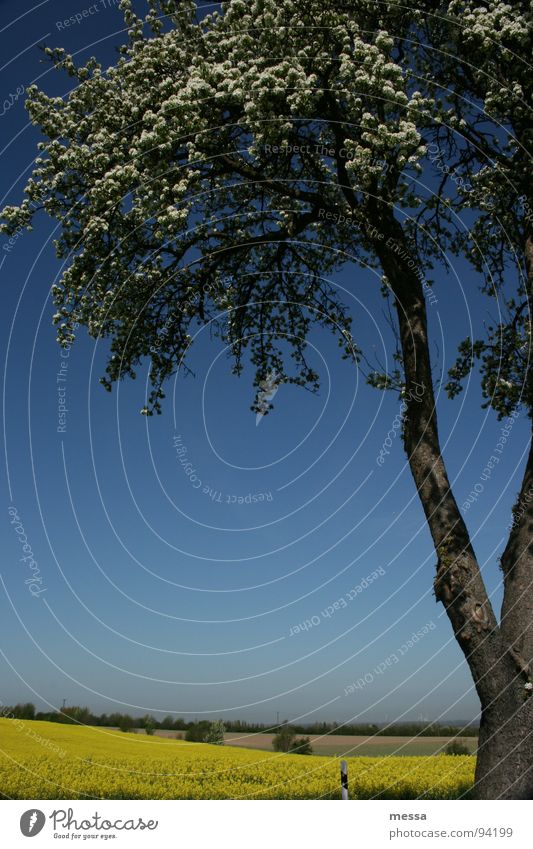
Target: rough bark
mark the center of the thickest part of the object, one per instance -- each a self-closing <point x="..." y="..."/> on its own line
<point x="504" y="768"/>
<point x="506" y="733"/>
<point x="517" y="567"/>
<point x="494" y="655"/>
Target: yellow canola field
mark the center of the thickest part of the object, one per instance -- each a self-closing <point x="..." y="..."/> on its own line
<point x="44" y="760"/>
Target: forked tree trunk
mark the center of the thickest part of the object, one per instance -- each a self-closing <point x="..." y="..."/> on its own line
<point x="505" y="760"/>
<point x="499" y="657"/>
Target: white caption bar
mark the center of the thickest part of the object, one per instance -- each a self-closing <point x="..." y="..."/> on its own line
<point x="310" y="824"/>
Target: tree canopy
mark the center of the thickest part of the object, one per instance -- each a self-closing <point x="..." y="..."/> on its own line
<point x="225" y="167"/>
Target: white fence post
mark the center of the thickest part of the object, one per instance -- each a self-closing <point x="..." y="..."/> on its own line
<point x="344" y="779"/>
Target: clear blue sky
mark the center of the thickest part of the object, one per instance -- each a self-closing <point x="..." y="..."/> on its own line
<point x="160" y="598"/>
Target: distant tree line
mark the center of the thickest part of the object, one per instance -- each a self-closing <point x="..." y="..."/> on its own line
<point x="196" y="731"/>
<point x="19" y="711"/>
<point x="74" y="714"/>
<point x="404" y="729"/>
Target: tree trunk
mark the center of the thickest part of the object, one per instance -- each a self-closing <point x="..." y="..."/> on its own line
<point x="504" y="768"/>
<point x="500" y="672"/>
<point x="517" y="567"/>
<point x="517" y="559"/>
<point x="505" y="759"/>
